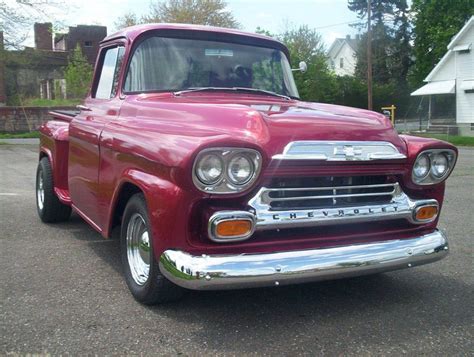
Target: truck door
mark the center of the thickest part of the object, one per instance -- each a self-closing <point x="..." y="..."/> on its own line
<point x="85" y="130"/>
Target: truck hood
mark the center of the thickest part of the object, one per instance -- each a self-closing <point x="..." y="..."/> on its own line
<point x="314" y="121"/>
<point x="264" y="122"/>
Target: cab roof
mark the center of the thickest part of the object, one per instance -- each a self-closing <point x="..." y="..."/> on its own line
<point x="133" y="32"/>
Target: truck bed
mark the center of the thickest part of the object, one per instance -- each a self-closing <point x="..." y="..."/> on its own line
<point x="66" y="115"/>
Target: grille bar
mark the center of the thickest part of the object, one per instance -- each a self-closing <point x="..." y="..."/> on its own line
<point x="298" y="197"/>
<point x="326" y="188"/>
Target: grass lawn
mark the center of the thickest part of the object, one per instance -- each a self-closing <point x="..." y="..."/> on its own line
<point x="28" y="135"/>
<point x="38" y="102"/>
<point x="455" y="140"/>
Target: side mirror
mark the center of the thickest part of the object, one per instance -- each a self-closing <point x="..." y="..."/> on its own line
<point x="303" y="67"/>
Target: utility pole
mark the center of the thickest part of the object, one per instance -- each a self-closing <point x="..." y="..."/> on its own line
<point x="369" y="57"/>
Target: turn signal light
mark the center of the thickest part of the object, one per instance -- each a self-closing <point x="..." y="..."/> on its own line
<point x="426" y="213"/>
<point x="234" y="228"/>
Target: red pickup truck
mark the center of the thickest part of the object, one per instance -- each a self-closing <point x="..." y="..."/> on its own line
<point x="194" y="141"/>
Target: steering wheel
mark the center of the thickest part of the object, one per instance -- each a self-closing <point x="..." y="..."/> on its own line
<point x="244" y="74"/>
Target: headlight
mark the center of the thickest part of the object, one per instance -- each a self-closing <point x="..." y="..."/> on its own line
<point x="433" y="166"/>
<point x="439" y="165"/>
<point x="421" y="167"/>
<point x="210" y="169"/>
<point x="226" y="170"/>
<point x="240" y="169"/>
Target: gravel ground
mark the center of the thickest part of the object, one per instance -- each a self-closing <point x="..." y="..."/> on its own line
<point x="62" y="292"/>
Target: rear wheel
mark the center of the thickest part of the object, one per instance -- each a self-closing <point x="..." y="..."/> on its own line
<point x="49" y="208"/>
<point x="141" y="270"/>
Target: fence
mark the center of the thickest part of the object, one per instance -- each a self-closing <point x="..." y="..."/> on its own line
<point x="447" y="128"/>
<point x="24" y="119"/>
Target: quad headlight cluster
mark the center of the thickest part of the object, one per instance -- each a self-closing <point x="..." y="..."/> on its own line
<point x="433" y="166"/>
<point x="226" y="170"/>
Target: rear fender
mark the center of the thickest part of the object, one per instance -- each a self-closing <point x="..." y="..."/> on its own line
<point x="54" y="144"/>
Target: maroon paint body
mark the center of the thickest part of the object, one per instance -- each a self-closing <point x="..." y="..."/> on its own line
<point x="151" y="140"/>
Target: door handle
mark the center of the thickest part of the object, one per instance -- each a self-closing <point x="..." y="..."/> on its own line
<point x="83" y="108"/>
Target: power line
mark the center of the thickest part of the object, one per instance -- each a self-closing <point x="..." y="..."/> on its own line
<point x="341" y="23"/>
<point x="369" y="58"/>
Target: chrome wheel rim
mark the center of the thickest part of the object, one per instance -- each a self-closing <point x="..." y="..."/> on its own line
<point x="138" y="249"/>
<point x="40" y="190"/>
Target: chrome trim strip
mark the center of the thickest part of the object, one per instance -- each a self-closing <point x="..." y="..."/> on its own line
<point x="221" y="216"/>
<point x="216" y="272"/>
<point x="299" y="198"/>
<point x="340" y="151"/>
<point x="400" y="207"/>
<point x="329" y="188"/>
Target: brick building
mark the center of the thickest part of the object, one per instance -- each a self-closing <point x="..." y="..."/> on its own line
<point x="39" y="71"/>
<point x="88" y="37"/>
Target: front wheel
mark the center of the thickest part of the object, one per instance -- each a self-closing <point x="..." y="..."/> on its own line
<point x="49" y="208"/>
<point x="141" y="270"/>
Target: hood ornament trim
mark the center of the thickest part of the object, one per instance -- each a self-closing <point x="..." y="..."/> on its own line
<point x="340" y="151"/>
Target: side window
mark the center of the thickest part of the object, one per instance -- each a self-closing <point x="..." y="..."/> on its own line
<point x="121" y="52"/>
<point x="109" y="73"/>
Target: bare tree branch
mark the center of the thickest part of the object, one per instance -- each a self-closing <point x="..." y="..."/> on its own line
<point x="17" y="17"/>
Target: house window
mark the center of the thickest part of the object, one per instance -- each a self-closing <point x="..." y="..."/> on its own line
<point x="87" y="43"/>
<point x="341" y="62"/>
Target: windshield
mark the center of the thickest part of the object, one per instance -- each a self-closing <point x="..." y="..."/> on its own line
<point x="175" y="64"/>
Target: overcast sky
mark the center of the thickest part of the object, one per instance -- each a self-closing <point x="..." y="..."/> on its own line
<point x="329" y="17"/>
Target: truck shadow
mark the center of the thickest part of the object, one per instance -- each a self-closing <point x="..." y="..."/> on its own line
<point x="232" y="321"/>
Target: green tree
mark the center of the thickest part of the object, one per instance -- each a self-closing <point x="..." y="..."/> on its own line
<point x="391" y="36"/>
<point x="126" y="21"/>
<point x="78" y="74"/>
<point x="305" y="44"/>
<point x="199" y="12"/>
<point x="402" y="49"/>
<point x="391" y="50"/>
<point x="435" y="23"/>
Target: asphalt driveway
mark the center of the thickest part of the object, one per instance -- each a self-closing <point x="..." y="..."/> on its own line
<point x="62" y="292"/>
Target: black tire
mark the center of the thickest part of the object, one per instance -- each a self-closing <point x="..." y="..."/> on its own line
<point x="156" y="289"/>
<point x="49" y="208"/>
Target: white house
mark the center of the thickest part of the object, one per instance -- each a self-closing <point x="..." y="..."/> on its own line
<point x="342" y="56"/>
<point x="454" y="74"/>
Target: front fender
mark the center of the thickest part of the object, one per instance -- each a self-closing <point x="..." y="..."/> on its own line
<point x="169" y="208"/>
<point x="415" y="145"/>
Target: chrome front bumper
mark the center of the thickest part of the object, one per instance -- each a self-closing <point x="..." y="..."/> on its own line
<point x="218" y="272"/>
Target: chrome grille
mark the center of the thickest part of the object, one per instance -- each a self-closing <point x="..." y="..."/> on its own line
<point x="306" y="193"/>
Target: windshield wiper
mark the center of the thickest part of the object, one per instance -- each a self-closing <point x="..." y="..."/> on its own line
<point x="234" y="89"/>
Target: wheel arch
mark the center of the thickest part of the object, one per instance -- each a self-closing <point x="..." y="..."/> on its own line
<point x="164" y="202"/>
<point x="123" y="194"/>
<point x="44" y="152"/>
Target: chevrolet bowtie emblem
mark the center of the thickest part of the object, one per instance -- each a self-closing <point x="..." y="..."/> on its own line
<point x="348" y="151"/>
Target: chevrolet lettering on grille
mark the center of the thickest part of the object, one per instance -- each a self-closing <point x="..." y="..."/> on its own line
<point x="334" y="213"/>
